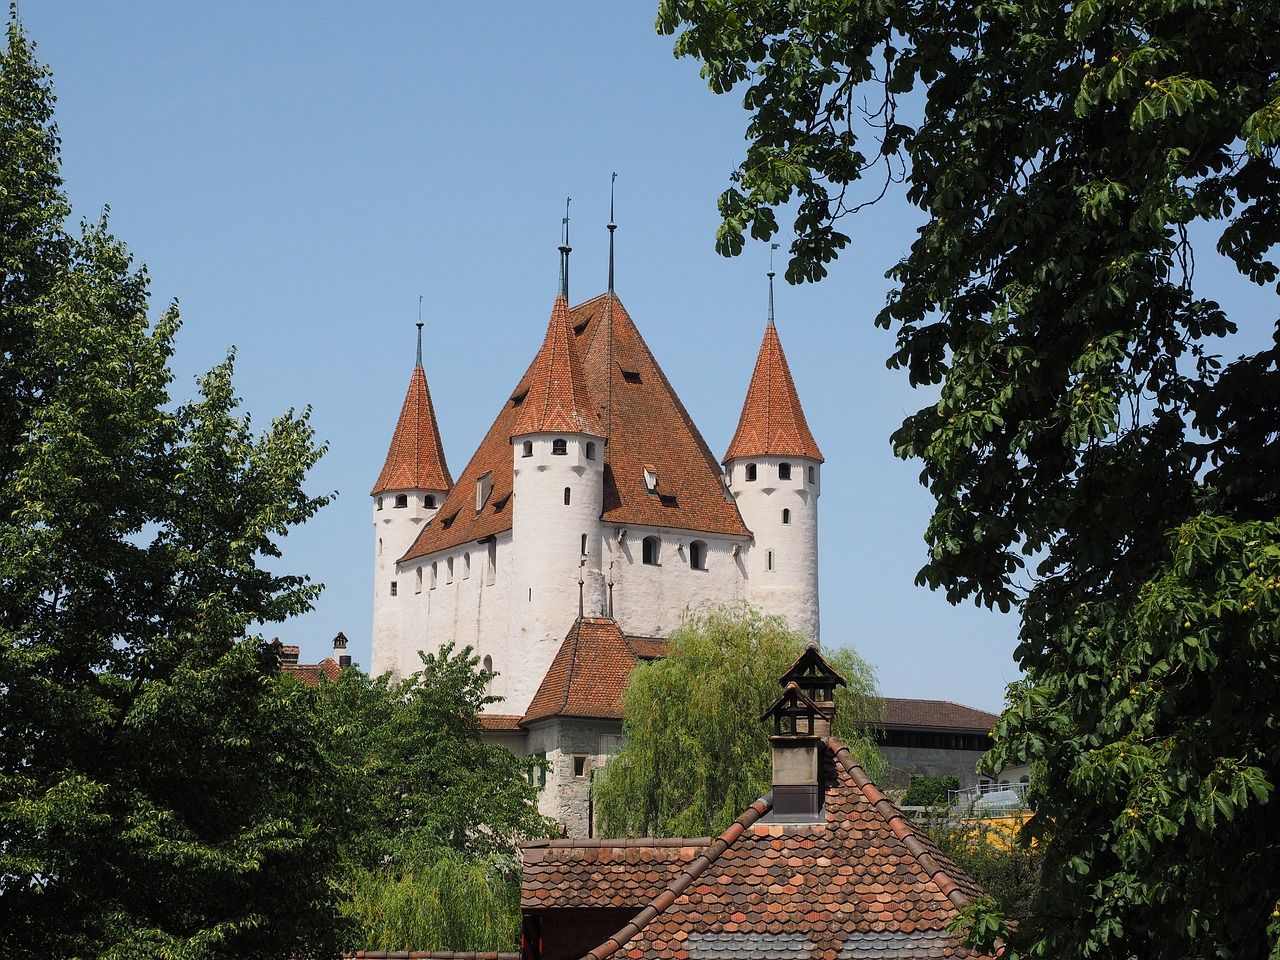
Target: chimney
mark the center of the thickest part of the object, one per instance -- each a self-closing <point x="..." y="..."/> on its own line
<point x="340" y="650"/>
<point x="801" y="720"/>
<point x="289" y="654"/>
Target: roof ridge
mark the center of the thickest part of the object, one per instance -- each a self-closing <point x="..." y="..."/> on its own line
<point x="898" y="823"/>
<point x="681" y="883"/>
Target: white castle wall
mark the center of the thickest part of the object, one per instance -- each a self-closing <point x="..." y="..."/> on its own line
<point x="394" y="530"/>
<point x="788" y="585"/>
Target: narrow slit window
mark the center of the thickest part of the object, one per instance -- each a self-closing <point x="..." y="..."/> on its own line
<point x="768" y="560"/>
<point x="567" y="495"/>
<point x="466" y="566"/>
<point x="813" y="474"/>
<point x="379" y="503"/>
<point x="584" y="545"/>
<point x="491" y="560"/>
<point x="786" y="516"/>
<point x="435" y="570"/>
<point x="395" y="588"/>
<point x="448" y="570"/>
<point x="417" y="586"/>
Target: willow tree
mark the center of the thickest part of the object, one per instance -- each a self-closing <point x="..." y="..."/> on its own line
<point x="1093" y="460"/>
<point x="697" y="752"/>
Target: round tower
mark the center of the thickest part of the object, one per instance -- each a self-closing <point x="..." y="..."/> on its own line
<point x="774" y="470"/>
<point x="557" y="448"/>
<point x="413" y="484"/>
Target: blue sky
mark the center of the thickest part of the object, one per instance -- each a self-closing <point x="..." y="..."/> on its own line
<point x="297" y="174"/>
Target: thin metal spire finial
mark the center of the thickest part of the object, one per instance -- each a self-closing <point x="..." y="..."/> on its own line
<point x="565" y="250"/>
<point x="612" y="227"/>
<point x="772" y="247"/>
<point x="419" y="329"/>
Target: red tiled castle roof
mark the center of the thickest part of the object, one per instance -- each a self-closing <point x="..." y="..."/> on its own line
<point x="415" y="460"/>
<point x="772" y="421"/>
<point x="588" y="675"/>
<point x="557" y="400"/>
<point x="643" y="422"/>
<point x="862" y="883"/>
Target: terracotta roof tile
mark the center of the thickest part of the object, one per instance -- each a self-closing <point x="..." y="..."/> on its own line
<point x="588" y="675"/>
<point x="415" y="459"/>
<point x="772" y="421"/>
<point x="499" y="721"/>
<point x="643" y="422"/>
<point x="557" y="400"/>
<point x="310" y="673"/>
<point x="900" y="713"/>
<point x="604" y="873"/>
<point x="861" y="883"/>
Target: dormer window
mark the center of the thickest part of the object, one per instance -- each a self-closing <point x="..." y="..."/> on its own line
<point x="784" y="471"/>
<point x="484" y="487"/>
<point x="559" y="447"/>
<point x="651" y="479"/>
<point x="518" y="398"/>
<point x="402" y="500"/>
<point x="631" y="376"/>
<point x="526" y="449"/>
<point x="591" y="450"/>
<point x="751" y="472"/>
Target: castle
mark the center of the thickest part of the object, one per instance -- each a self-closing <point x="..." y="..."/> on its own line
<point x="590" y="518"/>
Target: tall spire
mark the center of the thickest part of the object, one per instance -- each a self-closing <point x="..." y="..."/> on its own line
<point x="557" y="400"/>
<point x="565" y="250"/>
<point x="612" y="227"/>
<point x="415" y="459"/>
<point x="772" y="247"/>
<point x="419" y="363"/>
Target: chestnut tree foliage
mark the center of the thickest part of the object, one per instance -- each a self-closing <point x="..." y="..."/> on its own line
<point x="1094" y="459"/>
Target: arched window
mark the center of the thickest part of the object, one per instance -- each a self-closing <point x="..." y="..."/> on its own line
<point x="526" y="449"/>
<point x="584" y="545"/>
<point x="751" y="472"/>
<point x="768" y="560"/>
<point x="379" y="503"/>
<point x="466" y="566"/>
<point x="698" y="555"/>
<point x="402" y="500"/>
<point x="591" y="450"/>
<point x="650" y="550"/>
<point x="567" y="493"/>
<point x="417" y="587"/>
<point x="448" y="570"/>
<point x="435" y="571"/>
<point x="786" y="516"/>
<point x="559" y="447"/>
<point x="429" y="501"/>
<point x="491" y="559"/>
<point x="784" y="471"/>
<point x="488" y="664"/>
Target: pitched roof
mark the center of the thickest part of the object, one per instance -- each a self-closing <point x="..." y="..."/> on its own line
<point x="571" y="874"/>
<point x="772" y="421"/>
<point x="587" y="676"/>
<point x="862" y="884"/>
<point x="644" y="424"/>
<point x="310" y="673"/>
<point x="557" y="400"/>
<point x="499" y="722"/>
<point x="415" y="459"/>
<point x="900" y="713"/>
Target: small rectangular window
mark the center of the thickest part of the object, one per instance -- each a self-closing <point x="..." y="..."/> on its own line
<point x="395" y="587"/>
<point x="538" y="775"/>
<point x="484" y="487"/>
<point x="580" y="766"/>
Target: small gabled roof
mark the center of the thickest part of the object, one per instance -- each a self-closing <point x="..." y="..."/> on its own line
<point x="863" y="884"/>
<point x="415" y="459"/>
<point x="557" y="400"/>
<point x="772" y="423"/>
<point x="588" y="675"/>
<point x="808" y="666"/>
<point x="791" y="695"/>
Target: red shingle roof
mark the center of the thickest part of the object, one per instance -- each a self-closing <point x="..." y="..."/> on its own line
<point x="862" y="883"/>
<point x="415" y="459"/>
<point x="772" y="421"/>
<point x="588" y="675"/>
<point x="557" y="400"/>
<point x="902" y="713"/>
<point x="644" y="424"/>
<point x="571" y="874"/>
<point x="310" y="673"/>
<point x="499" y="721"/>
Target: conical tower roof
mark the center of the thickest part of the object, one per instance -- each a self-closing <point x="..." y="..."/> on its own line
<point x="415" y="460"/>
<point x="772" y="422"/>
<point x="557" y="400"/>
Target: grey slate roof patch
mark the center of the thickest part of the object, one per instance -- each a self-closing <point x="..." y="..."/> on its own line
<point x="749" y="946"/>
<point x="896" y="945"/>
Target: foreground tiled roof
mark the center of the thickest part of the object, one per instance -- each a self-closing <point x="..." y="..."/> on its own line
<point x="415" y="459"/>
<point x="900" y="713"/>
<point x="587" y="676"/>
<point x="772" y="421"/>
<point x="863" y="883"/>
<point x="644" y="423"/>
<point x="428" y="955"/>
<point x="557" y="400"/>
<point x="310" y="673"/>
<point x="570" y="874"/>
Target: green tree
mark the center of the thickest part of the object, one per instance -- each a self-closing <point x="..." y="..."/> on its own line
<point x="1092" y="459"/>
<point x="433" y="809"/>
<point x="160" y="794"/>
<point x="697" y="752"/>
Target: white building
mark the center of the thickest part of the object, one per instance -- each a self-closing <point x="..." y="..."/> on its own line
<point x="593" y="495"/>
